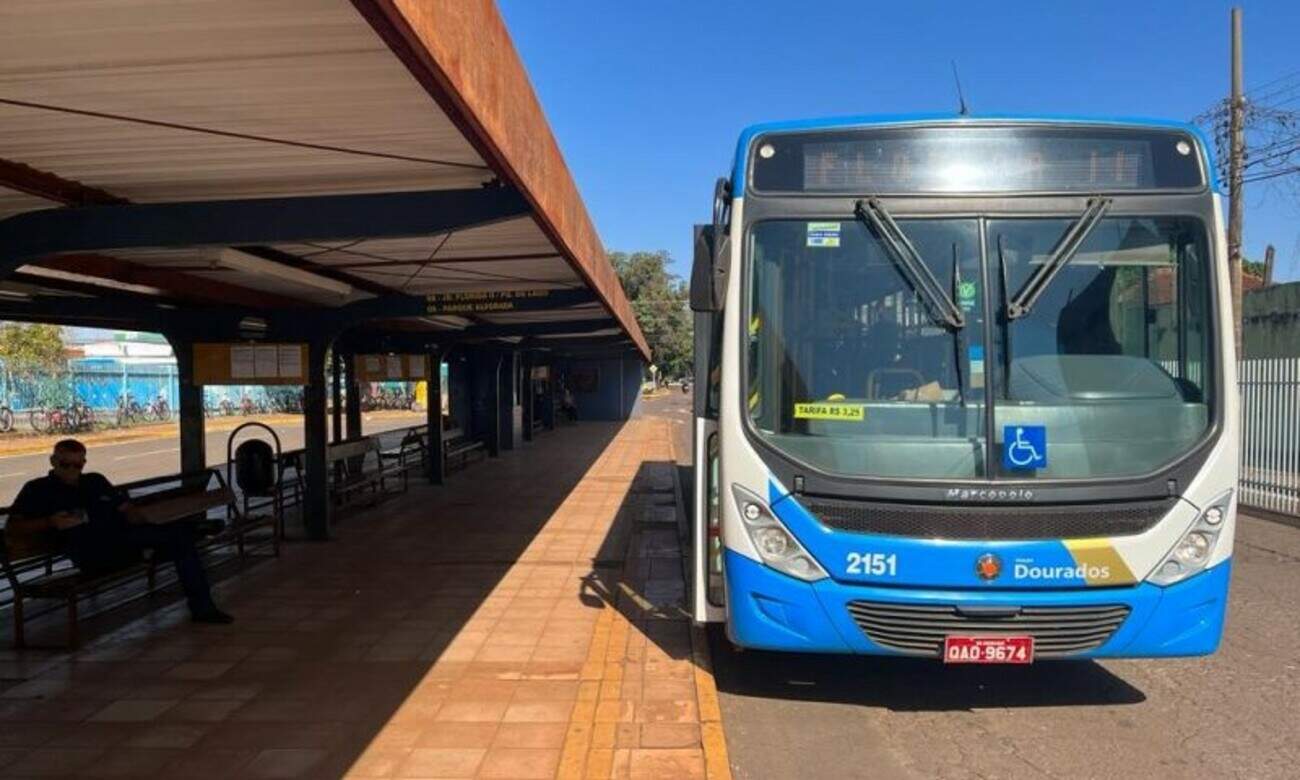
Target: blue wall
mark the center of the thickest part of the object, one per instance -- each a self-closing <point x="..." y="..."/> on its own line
<point x="618" y="387"/>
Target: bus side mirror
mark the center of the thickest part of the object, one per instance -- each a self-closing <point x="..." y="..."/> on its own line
<point x="703" y="297"/>
<point x="712" y="258"/>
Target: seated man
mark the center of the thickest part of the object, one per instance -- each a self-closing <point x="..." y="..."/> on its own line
<point x="102" y="532"/>
<point x="567" y="405"/>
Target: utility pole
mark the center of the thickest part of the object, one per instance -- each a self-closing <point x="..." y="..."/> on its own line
<point x="1236" y="162"/>
<point x="1269" y="253"/>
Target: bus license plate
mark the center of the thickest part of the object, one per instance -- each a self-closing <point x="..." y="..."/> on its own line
<point x="988" y="649"/>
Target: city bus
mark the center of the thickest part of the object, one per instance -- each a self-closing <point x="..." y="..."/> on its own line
<point x="965" y="390"/>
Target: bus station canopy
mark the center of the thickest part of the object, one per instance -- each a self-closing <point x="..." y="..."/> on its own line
<point x="378" y="165"/>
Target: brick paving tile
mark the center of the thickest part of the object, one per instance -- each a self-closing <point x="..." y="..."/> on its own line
<point x="199" y="670"/>
<point x="530" y="735"/>
<point x="284" y="762"/>
<point x="133" y="710"/>
<point x="378" y="761"/>
<point x="670" y="735"/>
<point x="131" y="762"/>
<point x="204" y="710"/>
<point x="491" y="711"/>
<point x="538" y="712"/>
<point x="681" y="764"/>
<point x="442" y="762"/>
<point x="54" y="762"/>
<point x="520" y="763"/>
<point x="166" y="736"/>
<point x="451" y="735"/>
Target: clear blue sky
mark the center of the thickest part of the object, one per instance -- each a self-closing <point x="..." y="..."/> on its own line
<point x="647" y="99"/>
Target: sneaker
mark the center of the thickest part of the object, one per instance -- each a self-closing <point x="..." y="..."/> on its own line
<point x="213" y="616"/>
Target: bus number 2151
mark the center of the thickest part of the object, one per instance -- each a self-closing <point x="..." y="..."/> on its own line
<point x="879" y="564"/>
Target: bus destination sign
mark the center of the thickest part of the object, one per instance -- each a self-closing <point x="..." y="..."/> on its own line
<point x="486" y="301"/>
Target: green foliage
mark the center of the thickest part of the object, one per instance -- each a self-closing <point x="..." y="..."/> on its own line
<point x="660" y="301"/>
<point x="31" y="347"/>
<point x="34" y="354"/>
<point x="1252" y="268"/>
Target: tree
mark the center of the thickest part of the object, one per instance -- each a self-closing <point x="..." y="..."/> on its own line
<point x="661" y="303"/>
<point x="33" y="354"/>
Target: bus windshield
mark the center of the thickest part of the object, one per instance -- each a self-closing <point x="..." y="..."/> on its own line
<point x="848" y="372"/>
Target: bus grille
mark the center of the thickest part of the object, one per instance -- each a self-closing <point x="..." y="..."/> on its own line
<point x="919" y="629"/>
<point x="931" y="521"/>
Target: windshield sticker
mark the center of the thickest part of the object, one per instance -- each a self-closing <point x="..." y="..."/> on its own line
<point x="831" y="411"/>
<point x="1024" y="447"/>
<point x="824" y="234"/>
<point x="966" y="292"/>
<point x="977" y="366"/>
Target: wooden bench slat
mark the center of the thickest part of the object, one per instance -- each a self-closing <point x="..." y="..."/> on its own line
<point x="172" y="509"/>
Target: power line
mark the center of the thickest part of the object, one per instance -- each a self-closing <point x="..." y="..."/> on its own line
<point x="1271" y="175"/>
<point x="1283" y="77"/>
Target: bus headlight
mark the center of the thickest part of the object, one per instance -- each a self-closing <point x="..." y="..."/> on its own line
<point x="1193" y="550"/>
<point x="776" y="546"/>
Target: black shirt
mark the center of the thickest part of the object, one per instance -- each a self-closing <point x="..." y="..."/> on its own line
<point x="93" y="494"/>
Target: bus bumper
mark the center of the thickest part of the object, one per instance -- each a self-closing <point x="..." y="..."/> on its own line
<point x="769" y="610"/>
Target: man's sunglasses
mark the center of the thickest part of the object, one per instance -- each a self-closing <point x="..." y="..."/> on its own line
<point x="71" y="464"/>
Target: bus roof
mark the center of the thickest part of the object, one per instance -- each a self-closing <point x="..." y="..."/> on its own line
<point x="871" y="120"/>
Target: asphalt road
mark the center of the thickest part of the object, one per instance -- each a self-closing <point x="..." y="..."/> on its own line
<point x="143" y="458"/>
<point x="1233" y="714"/>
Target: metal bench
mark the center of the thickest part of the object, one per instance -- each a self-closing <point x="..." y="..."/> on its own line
<point x="410" y="453"/>
<point x="353" y="474"/>
<point x="456" y="444"/>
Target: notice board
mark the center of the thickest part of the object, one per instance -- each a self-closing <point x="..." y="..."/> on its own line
<point x="391" y="368"/>
<point x="250" y="364"/>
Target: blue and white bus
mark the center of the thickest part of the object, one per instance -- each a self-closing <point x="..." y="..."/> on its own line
<point x="965" y="390"/>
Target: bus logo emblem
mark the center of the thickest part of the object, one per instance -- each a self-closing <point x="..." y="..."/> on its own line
<point x="988" y="566"/>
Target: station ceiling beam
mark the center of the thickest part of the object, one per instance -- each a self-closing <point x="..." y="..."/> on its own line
<point x="174" y="284"/>
<point x="36" y="234"/>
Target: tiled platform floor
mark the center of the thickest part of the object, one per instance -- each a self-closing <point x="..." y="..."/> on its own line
<point x="495" y="627"/>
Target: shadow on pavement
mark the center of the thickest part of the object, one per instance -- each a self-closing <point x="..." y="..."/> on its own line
<point x="912" y="684"/>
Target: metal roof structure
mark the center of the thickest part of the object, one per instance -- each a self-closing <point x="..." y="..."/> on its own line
<point x="288" y="159"/>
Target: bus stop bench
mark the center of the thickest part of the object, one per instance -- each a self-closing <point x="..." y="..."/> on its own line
<point x="458" y="445"/>
<point x="409" y="455"/>
<point x="192" y="496"/>
<point x="36" y="566"/>
<point x="352" y="471"/>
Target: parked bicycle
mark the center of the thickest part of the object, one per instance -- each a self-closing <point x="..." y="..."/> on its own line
<point x="6" y="419"/>
<point x="129" y="411"/>
<point x="159" y="409"/>
<point x="74" y="417"/>
<point x="81" y="417"/>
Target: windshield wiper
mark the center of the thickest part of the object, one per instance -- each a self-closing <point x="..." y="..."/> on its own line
<point x="1006" y="321"/>
<point x="958" y="343"/>
<point x="1065" y="248"/>
<point x="940" y="307"/>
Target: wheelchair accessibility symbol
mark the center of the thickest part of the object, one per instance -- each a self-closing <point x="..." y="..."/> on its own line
<point x="1024" y="447"/>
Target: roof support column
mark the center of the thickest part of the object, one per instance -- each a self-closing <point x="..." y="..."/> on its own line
<point x="336" y="395"/>
<point x="528" y="397"/>
<point x="486" y="389"/>
<point x="352" y="404"/>
<point x="189" y="408"/>
<point x="548" y="397"/>
<point x="506" y="400"/>
<point x="315" y="512"/>
<point x="434" y="461"/>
